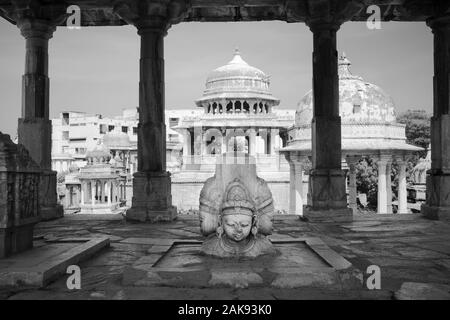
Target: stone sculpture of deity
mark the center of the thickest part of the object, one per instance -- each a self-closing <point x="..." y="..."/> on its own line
<point x="236" y="210"/>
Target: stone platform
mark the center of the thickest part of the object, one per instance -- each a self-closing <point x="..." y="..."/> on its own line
<point x="299" y="262"/>
<point x="413" y="254"/>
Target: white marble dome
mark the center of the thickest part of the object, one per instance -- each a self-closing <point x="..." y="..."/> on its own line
<point x="116" y="140"/>
<point x="359" y="101"/>
<point x="237" y="80"/>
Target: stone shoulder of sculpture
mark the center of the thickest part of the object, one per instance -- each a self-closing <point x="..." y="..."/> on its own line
<point x="236" y="217"/>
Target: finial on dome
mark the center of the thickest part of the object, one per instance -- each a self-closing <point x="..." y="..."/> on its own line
<point x="344" y="68"/>
<point x="343" y="60"/>
<point x="237" y="57"/>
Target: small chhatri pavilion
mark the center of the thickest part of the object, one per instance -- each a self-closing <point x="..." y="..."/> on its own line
<point x="103" y="182"/>
<point x="369" y="129"/>
<point x="237" y="118"/>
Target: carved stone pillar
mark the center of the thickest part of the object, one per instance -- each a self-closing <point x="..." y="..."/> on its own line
<point x="186" y="148"/>
<point x="108" y="193"/>
<point x="382" y="202"/>
<point x="35" y="127"/>
<point x="82" y="191"/>
<point x="388" y="187"/>
<point x="273" y="137"/>
<point x="252" y="141"/>
<point x="93" y="192"/>
<point x="352" y="192"/>
<point x="437" y="205"/>
<point x="152" y="199"/>
<point x="402" y="193"/>
<point x="296" y="163"/>
<point x="327" y="192"/>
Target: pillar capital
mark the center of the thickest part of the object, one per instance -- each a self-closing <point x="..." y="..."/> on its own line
<point x="329" y="15"/>
<point x="352" y="160"/>
<point x="383" y="159"/>
<point x="35" y="19"/>
<point x="154" y="16"/>
<point x="439" y="22"/>
<point x="35" y="28"/>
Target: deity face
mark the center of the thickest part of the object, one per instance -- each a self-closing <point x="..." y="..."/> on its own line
<point x="237" y="227"/>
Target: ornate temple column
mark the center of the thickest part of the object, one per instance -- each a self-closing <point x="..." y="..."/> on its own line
<point x="352" y="192"/>
<point x="382" y="188"/>
<point x="388" y="187"/>
<point x="223" y="148"/>
<point x="296" y="163"/>
<point x="152" y="199"/>
<point x="437" y="205"/>
<point x="93" y="190"/>
<point x="186" y="148"/>
<point x="402" y="193"/>
<point x="108" y="193"/>
<point x="35" y="127"/>
<point x="328" y="199"/>
<point x="252" y="141"/>
<point x="273" y="137"/>
<point x="82" y="191"/>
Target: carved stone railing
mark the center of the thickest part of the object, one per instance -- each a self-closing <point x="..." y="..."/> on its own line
<point x="19" y="197"/>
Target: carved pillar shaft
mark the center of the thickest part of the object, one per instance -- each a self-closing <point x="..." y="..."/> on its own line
<point x="34" y="127"/>
<point x="382" y="194"/>
<point x="402" y="195"/>
<point x="352" y="192"/>
<point x="292" y="197"/>
<point x="298" y="187"/>
<point x="437" y="204"/>
<point x="388" y="188"/>
<point x="328" y="199"/>
<point x="152" y="199"/>
<point x="35" y="130"/>
<point x="82" y="192"/>
<point x="151" y="128"/>
<point x="252" y="141"/>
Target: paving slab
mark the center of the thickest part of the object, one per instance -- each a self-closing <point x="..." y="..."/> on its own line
<point x="38" y="266"/>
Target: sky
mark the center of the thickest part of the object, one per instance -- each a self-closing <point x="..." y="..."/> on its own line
<point x="96" y="69"/>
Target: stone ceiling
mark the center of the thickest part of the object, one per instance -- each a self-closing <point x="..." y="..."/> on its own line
<point x="105" y="13"/>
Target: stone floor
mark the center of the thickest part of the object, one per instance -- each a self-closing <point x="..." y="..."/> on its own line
<point x="409" y="250"/>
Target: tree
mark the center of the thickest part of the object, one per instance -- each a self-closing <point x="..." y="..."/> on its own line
<point x="417" y="133"/>
<point x="417" y="128"/>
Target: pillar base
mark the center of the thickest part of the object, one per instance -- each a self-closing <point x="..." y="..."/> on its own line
<point x="152" y="199"/>
<point x="327" y="190"/>
<point x="331" y="215"/>
<point x="435" y="213"/>
<point x="437" y="206"/>
<point x="49" y="207"/>
<point x="16" y="239"/>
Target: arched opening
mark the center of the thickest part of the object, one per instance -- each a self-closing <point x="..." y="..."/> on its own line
<point x="246" y="107"/>
<point x="238" y="106"/>
<point x="229" y="107"/>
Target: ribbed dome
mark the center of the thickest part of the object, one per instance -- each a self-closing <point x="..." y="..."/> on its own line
<point x="116" y="140"/>
<point x="237" y="79"/>
<point x="359" y="101"/>
<point x="236" y="68"/>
